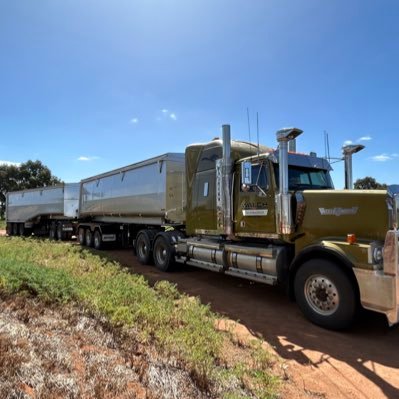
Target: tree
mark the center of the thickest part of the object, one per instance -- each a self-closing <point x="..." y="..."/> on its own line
<point x="30" y="174"/>
<point x="369" y="183"/>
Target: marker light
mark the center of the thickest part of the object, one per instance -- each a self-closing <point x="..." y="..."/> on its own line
<point x="351" y="238"/>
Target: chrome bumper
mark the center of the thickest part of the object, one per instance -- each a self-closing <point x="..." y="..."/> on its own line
<point x="379" y="289"/>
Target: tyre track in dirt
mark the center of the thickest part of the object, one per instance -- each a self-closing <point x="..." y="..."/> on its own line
<point x="362" y="362"/>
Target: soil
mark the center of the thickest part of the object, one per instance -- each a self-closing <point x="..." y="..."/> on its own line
<point x="49" y="351"/>
<point x="362" y="362"/>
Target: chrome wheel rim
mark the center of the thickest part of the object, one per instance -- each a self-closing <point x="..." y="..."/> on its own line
<point x="142" y="248"/>
<point x="161" y="253"/>
<point x="321" y="294"/>
<point x="88" y="237"/>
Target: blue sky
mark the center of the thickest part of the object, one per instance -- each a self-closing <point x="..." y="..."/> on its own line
<point x="87" y="86"/>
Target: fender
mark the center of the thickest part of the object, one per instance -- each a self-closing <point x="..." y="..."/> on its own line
<point x="321" y="251"/>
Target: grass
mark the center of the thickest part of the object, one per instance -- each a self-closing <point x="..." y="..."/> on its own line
<point x="2" y="224"/>
<point x="180" y="326"/>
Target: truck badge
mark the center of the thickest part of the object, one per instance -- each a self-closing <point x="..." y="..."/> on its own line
<point x="338" y="211"/>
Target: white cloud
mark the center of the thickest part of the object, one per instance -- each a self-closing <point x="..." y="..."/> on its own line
<point x="365" y="138"/>
<point x="134" y="121"/>
<point x="395" y="155"/>
<point x="381" y="158"/>
<point x="348" y="142"/>
<point x="10" y="163"/>
<point x="168" y="114"/>
<point x="86" y="159"/>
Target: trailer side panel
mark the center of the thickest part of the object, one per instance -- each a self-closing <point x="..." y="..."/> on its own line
<point x="147" y="192"/>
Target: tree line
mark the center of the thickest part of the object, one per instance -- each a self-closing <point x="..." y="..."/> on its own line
<point x="30" y="174"/>
<point x="369" y="183"/>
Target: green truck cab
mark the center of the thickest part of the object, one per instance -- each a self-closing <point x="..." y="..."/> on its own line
<point x="273" y="216"/>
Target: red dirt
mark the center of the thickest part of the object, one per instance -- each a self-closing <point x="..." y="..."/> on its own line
<point x="54" y="351"/>
<point x="362" y="362"/>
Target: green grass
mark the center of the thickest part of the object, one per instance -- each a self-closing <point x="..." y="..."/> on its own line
<point x="180" y="326"/>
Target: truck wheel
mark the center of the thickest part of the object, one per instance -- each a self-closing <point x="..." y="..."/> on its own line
<point x="52" y="232"/>
<point x="163" y="253"/>
<point x="9" y="229"/>
<point x="325" y="294"/>
<point x="15" y="229"/>
<point x="89" y="238"/>
<point x="60" y="233"/>
<point x="81" y="236"/>
<point x="21" y="229"/>
<point x="143" y="248"/>
<point x="98" y="240"/>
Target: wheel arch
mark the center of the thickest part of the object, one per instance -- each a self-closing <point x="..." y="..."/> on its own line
<point x="321" y="252"/>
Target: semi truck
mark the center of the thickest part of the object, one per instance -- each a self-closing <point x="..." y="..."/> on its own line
<point x="254" y="212"/>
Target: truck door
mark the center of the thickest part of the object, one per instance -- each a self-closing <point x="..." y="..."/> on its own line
<point x="254" y="206"/>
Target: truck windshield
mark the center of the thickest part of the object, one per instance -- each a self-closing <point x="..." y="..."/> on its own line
<point x="301" y="178"/>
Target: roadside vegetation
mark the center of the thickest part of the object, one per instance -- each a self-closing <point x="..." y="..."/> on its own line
<point x="2" y="224"/>
<point x="181" y="329"/>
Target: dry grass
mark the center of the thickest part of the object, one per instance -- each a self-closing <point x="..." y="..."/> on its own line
<point x="168" y="339"/>
<point x="53" y="352"/>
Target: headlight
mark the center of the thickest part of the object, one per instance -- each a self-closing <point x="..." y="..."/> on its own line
<point x="392" y="203"/>
<point x="376" y="254"/>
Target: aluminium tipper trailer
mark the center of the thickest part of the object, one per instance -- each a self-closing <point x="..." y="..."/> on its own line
<point x="116" y="204"/>
<point x="51" y="210"/>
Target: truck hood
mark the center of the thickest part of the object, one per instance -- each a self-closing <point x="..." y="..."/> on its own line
<point x="332" y="213"/>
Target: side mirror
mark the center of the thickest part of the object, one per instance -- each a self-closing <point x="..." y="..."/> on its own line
<point x="246" y="173"/>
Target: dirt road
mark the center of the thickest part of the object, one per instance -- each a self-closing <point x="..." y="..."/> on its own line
<point x="360" y="363"/>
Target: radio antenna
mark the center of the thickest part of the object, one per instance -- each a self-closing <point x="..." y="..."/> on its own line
<point x="249" y="125"/>
<point x="327" y="146"/>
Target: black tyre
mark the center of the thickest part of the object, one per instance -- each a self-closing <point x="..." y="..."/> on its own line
<point x="89" y="238"/>
<point x="325" y="294"/>
<point x="15" y="229"/>
<point x="164" y="253"/>
<point x="143" y="247"/>
<point x="60" y="233"/>
<point x="81" y="236"/>
<point x="9" y="229"/>
<point x="52" y="234"/>
<point x="98" y="240"/>
<point x="21" y="229"/>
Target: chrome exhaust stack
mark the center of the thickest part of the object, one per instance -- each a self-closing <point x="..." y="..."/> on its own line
<point x="283" y="198"/>
<point x="227" y="180"/>
<point x="348" y="151"/>
<point x="292" y="145"/>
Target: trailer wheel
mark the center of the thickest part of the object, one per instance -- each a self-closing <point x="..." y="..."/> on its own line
<point x="143" y="247"/>
<point x="15" y="229"/>
<point x="163" y="253"/>
<point x="52" y="232"/>
<point x="325" y="294"/>
<point x="21" y="230"/>
<point x="9" y="229"/>
<point x="60" y="233"/>
<point x="89" y="238"/>
<point x="98" y="240"/>
<point x="81" y="236"/>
